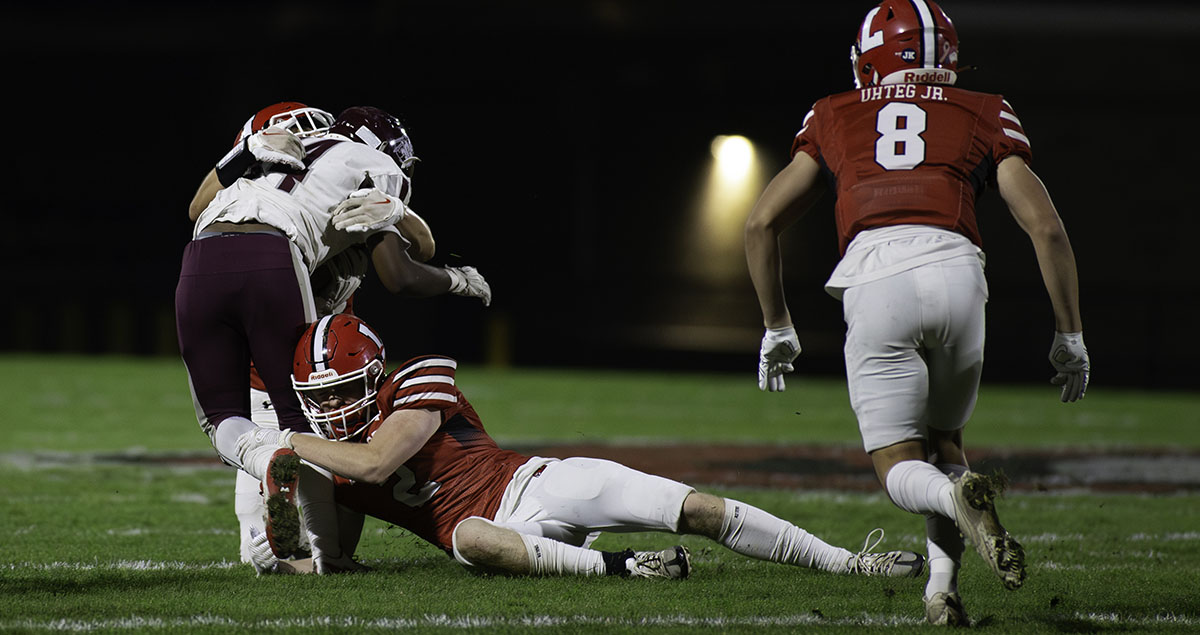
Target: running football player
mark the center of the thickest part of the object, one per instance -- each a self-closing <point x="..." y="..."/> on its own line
<point x="907" y="154"/>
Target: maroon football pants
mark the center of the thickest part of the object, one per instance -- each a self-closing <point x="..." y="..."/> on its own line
<point x="241" y="297"/>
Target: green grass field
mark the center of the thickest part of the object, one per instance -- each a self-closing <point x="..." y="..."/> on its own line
<point x="91" y="544"/>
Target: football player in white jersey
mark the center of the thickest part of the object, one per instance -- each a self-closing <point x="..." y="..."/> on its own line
<point x="244" y="292"/>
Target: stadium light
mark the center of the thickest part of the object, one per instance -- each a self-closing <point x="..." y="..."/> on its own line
<point x="734" y="155"/>
<point x="735" y="179"/>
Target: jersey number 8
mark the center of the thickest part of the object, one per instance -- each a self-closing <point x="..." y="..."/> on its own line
<point x="900" y="146"/>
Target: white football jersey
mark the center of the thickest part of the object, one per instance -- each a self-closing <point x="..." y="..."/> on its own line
<point x="298" y="203"/>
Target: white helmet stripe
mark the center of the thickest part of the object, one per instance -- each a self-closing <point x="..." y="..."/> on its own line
<point x="362" y="328"/>
<point x="320" y="339"/>
<point x="928" y="38"/>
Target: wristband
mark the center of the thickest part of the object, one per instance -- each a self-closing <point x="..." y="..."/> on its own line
<point x="232" y="166"/>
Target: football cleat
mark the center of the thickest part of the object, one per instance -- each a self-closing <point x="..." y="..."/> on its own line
<point x="975" y="508"/>
<point x="283" y="520"/>
<point x="894" y="564"/>
<point x="674" y="563"/>
<point x="945" y="609"/>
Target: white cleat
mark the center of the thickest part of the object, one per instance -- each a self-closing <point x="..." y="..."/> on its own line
<point x="674" y="563"/>
<point x="974" y="504"/>
<point x="894" y="564"/>
<point x="945" y="609"/>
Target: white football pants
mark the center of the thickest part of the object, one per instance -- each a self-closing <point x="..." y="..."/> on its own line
<point x="574" y="499"/>
<point x="914" y="350"/>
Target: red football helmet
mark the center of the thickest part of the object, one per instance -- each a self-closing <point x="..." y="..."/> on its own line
<point x="301" y="120"/>
<point x="905" y="42"/>
<point x="340" y="361"/>
<point x="379" y="130"/>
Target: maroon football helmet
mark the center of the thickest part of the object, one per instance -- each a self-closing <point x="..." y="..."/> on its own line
<point x="379" y="130"/>
<point x="339" y="359"/>
<point x="905" y="42"/>
<point x="299" y="119"/>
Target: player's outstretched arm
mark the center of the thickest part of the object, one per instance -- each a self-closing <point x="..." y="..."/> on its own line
<point x="396" y="441"/>
<point x="1030" y="204"/>
<point x="402" y="275"/>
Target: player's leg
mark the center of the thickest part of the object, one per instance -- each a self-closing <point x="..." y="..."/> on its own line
<point x="955" y="370"/>
<point x="484" y="545"/>
<point x="753" y="532"/>
<point x="888" y="381"/>
<point x="276" y="311"/>
<point x="573" y="500"/>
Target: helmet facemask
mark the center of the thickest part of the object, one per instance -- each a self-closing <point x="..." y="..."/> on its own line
<point x="356" y="389"/>
<point x="303" y="122"/>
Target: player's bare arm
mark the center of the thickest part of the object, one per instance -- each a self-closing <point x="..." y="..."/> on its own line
<point x="204" y="195"/>
<point x="784" y="201"/>
<point x="1031" y="206"/>
<point x="417" y="231"/>
<point x="397" y="440"/>
<point x="403" y="275"/>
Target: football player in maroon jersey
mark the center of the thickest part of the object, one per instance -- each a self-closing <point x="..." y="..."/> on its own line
<point x="907" y="154"/>
<point x="408" y="448"/>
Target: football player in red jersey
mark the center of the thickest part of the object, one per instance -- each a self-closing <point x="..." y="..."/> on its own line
<point x="409" y="449"/>
<point x="907" y="154"/>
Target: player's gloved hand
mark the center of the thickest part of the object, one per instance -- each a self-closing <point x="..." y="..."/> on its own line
<point x="367" y="210"/>
<point x="779" y="347"/>
<point x="261" y="556"/>
<point x="467" y="281"/>
<point x="276" y="145"/>
<point x="1069" y="357"/>
<point x="255" y="447"/>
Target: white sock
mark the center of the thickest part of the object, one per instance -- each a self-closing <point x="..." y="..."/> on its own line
<point x="249" y="506"/>
<point x="753" y="532"/>
<point x="314" y="493"/>
<point x="920" y="488"/>
<point x="551" y="557"/>
<point x="225" y="439"/>
<point x="945" y="545"/>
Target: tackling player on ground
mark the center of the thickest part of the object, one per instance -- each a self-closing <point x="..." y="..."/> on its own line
<point x="907" y="154"/>
<point x="410" y="449"/>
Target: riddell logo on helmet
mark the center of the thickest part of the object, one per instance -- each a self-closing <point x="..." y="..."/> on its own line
<point x="928" y="76"/>
<point x="323" y="374"/>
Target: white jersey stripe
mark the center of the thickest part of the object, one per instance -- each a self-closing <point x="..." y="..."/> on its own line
<point x="426" y="396"/>
<point x="1016" y="135"/>
<point x="427" y="379"/>
<point x="1009" y="116"/>
<point x="426" y="363"/>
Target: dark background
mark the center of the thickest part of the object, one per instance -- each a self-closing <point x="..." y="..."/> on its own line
<point x="564" y="143"/>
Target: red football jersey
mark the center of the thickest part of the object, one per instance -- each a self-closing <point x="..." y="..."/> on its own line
<point x="460" y="472"/>
<point x="910" y="154"/>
